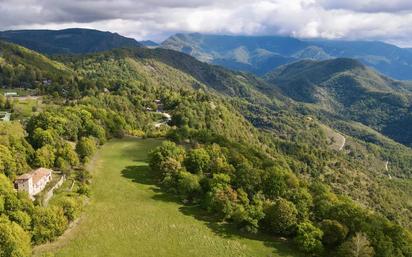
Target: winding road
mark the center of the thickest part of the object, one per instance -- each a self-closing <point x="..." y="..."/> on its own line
<point x="343" y="143"/>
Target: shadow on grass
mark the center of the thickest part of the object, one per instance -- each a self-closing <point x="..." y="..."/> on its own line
<point x="141" y="174"/>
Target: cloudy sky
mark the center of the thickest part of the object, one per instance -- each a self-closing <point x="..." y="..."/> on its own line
<point x="387" y="20"/>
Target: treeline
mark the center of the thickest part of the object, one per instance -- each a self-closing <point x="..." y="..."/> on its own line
<point x="256" y="192"/>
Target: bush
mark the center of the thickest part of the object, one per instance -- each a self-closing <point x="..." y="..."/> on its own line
<point x="84" y="190"/>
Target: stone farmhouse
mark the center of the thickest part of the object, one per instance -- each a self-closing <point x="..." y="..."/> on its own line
<point x="33" y="182"/>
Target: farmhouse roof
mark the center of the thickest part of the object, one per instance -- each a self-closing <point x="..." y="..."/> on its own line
<point x="36" y="175"/>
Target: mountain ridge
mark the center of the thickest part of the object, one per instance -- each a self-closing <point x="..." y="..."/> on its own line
<point x="219" y="49"/>
<point x="347" y="88"/>
<point x="66" y="41"/>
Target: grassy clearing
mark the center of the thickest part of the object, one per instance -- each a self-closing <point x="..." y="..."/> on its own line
<point x="129" y="216"/>
<point x="24" y="108"/>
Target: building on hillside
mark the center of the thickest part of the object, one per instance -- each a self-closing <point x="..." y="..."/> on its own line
<point x="47" y="82"/>
<point x="10" y="94"/>
<point x="33" y="182"/>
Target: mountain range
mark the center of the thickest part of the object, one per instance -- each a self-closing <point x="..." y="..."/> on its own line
<point x="350" y="90"/>
<point x="76" y="41"/>
<point x="330" y="121"/>
<point x="261" y="54"/>
<point x="342" y="88"/>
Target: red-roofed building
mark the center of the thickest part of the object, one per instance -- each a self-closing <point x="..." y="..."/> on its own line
<point x="33" y="182"/>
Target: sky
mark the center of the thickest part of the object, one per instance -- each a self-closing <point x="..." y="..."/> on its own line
<point x="385" y="20"/>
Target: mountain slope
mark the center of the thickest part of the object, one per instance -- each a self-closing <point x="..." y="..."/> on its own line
<point x="262" y="54"/>
<point x="347" y="88"/>
<point x="149" y="43"/>
<point x="68" y="40"/>
<point x="260" y="130"/>
<point x="21" y="67"/>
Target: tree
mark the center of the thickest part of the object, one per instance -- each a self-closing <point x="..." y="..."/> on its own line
<point x="7" y="162"/>
<point x="43" y="137"/>
<point x="67" y="153"/>
<point x="14" y="241"/>
<point x="21" y="218"/>
<point x="334" y="233"/>
<point x="357" y="246"/>
<point x="70" y="206"/>
<point x="248" y="177"/>
<point x="86" y="147"/>
<point x="170" y="166"/>
<point x="167" y="150"/>
<point x="280" y="217"/>
<point x="48" y="224"/>
<point x="188" y="184"/>
<point x="308" y="238"/>
<point x="277" y="181"/>
<point x="218" y="160"/>
<point x="303" y="201"/>
<point x="44" y="157"/>
<point x="221" y="199"/>
<point x="248" y="215"/>
<point x="197" y="161"/>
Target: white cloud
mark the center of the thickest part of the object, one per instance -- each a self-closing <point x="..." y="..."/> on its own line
<point x="155" y="19"/>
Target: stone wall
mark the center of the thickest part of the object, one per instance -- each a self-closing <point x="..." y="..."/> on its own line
<point x="49" y="194"/>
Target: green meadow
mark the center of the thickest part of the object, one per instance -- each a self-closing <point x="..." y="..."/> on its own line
<point x="128" y="215"/>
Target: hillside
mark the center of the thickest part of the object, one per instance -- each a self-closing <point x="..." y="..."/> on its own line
<point x="21" y="67"/>
<point x="261" y="54"/>
<point x="246" y="99"/>
<point x="347" y="88"/>
<point x="242" y="149"/>
<point x="75" y="41"/>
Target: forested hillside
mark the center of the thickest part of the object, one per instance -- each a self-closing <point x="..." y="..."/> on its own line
<point x="244" y="150"/>
<point x="68" y="40"/>
<point x="346" y="88"/>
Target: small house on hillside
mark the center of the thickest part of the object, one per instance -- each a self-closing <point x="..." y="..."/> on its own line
<point x="47" y="82"/>
<point x="33" y="182"/>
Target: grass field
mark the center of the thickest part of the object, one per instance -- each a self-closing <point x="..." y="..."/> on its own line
<point x="129" y="216"/>
<point x="23" y="109"/>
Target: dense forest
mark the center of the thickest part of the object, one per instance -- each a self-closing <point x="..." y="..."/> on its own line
<point x="238" y="148"/>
